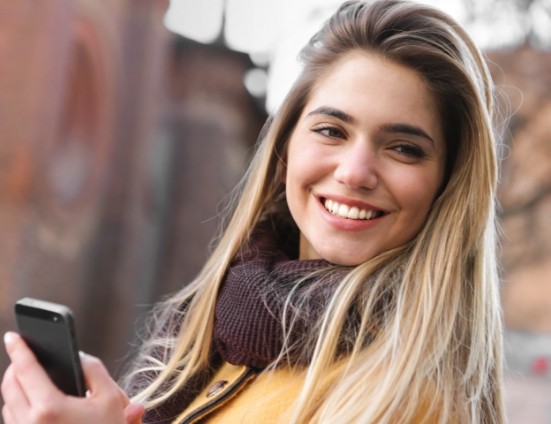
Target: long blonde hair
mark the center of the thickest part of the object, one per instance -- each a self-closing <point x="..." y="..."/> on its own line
<point x="429" y="320"/>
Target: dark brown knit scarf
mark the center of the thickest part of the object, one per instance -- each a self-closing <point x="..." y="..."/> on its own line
<point x="248" y="327"/>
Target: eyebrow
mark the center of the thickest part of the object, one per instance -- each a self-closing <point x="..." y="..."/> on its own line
<point x="391" y="128"/>
<point x="331" y="111"/>
<point x="407" y="129"/>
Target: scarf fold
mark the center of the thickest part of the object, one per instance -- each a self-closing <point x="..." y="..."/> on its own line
<point x="248" y="327"/>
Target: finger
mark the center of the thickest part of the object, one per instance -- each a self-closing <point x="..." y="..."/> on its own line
<point x="15" y="402"/>
<point x="6" y="416"/>
<point x="133" y="413"/>
<point x="98" y="380"/>
<point x="11" y="390"/>
<point x="32" y="378"/>
<point x="123" y="396"/>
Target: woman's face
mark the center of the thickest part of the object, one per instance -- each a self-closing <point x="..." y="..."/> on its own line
<point x="365" y="160"/>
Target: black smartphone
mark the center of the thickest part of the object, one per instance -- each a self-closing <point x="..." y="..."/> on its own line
<point x="48" y="329"/>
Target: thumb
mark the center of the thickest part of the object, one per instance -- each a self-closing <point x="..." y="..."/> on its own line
<point x="98" y="380"/>
<point x="133" y="413"/>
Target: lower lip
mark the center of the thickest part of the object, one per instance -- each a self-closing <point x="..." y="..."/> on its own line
<point x="347" y="224"/>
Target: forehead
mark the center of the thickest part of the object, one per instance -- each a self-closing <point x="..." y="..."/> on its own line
<point x="371" y="86"/>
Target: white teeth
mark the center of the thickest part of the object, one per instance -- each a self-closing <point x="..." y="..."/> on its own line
<point x="343" y="211"/>
<point x="349" y="212"/>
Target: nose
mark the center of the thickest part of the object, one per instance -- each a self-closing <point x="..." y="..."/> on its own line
<point x="357" y="167"/>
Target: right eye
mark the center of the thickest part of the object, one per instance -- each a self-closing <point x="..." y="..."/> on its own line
<point x="329" y="131"/>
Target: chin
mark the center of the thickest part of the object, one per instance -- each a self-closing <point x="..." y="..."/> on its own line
<point x="343" y="259"/>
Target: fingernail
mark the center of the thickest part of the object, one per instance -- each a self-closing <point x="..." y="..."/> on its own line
<point x="9" y="338"/>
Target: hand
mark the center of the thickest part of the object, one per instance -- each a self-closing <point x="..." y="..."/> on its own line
<point x="30" y="397"/>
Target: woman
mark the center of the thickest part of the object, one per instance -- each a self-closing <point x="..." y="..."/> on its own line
<point x="356" y="279"/>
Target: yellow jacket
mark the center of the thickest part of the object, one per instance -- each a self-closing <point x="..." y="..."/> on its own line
<point x="232" y="397"/>
<point x="237" y="394"/>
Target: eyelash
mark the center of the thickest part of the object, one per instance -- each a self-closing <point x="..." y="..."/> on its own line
<point x="407" y="149"/>
<point x="410" y="150"/>
<point x="328" y="128"/>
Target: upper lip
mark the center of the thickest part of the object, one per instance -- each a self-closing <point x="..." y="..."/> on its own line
<point x="349" y="202"/>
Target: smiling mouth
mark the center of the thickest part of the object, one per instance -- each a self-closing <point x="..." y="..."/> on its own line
<point x="350" y="212"/>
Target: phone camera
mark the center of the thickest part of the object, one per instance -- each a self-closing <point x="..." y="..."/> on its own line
<point x="55" y="318"/>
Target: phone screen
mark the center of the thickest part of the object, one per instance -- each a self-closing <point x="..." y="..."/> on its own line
<point x="48" y="330"/>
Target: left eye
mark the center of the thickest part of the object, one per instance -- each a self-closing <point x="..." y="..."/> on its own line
<point x="327" y="131"/>
<point x="410" y="150"/>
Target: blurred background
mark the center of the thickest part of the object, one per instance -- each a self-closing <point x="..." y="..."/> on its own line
<point x="125" y="123"/>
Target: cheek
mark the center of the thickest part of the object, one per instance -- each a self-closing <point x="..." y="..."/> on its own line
<point x="297" y="166"/>
<point x="296" y="183"/>
<point x="416" y="194"/>
<point x="300" y="174"/>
